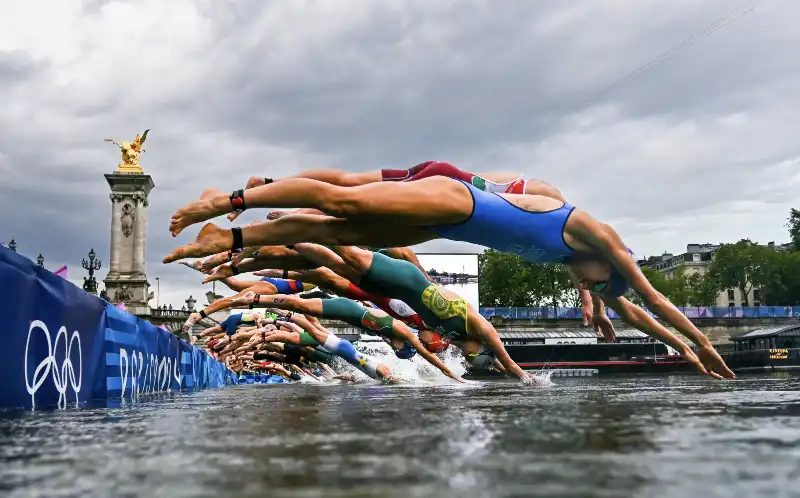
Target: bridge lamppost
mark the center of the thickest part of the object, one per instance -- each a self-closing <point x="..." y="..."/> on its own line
<point x="13" y="245"/>
<point x="158" y="292"/>
<point x="90" y="284"/>
<point x="40" y="261"/>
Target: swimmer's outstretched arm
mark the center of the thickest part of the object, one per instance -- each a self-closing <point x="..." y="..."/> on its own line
<point x="303" y="275"/>
<point x="640" y="319"/>
<point x="401" y="329"/>
<point x="608" y="241"/>
<point x="488" y="335"/>
<point x="499" y="366"/>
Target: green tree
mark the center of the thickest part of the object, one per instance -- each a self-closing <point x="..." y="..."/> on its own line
<point x="703" y="290"/>
<point x="783" y="280"/>
<point x="793" y="224"/>
<point x="508" y="280"/>
<point x="505" y="280"/>
<point x="679" y="289"/>
<point x="552" y="283"/>
<point x="743" y="265"/>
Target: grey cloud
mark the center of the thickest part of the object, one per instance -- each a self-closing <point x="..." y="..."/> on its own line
<point x="483" y="84"/>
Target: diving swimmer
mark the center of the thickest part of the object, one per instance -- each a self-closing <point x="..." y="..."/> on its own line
<point x="373" y="321"/>
<point x="390" y="214"/>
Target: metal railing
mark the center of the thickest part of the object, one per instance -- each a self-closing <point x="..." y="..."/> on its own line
<point x="690" y="311"/>
<point x="162" y="313"/>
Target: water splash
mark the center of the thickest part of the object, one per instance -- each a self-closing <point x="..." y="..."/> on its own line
<point x="418" y="372"/>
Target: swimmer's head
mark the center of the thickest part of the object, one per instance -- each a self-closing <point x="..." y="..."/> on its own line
<point x="433" y="341"/>
<point x="406" y="352"/>
<point x="482" y="359"/>
<point x="596" y="274"/>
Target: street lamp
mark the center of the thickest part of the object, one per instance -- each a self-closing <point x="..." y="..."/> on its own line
<point x="90" y="284"/>
<point x="40" y="261"/>
<point x="158" y="292"/>
<point x="12" y="245"/>
<point x="190" y="304"/>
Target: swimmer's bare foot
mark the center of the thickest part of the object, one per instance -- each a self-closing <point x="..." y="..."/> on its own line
<point x="223" y="272"/>
<point x="253" y="182"/>
<point x="211" y="240"/>
<point x="248" y="298"/>
<point x="212" y="203"/>
<point x="195" y="265"/>
<point x="209" y="264"/>
<point x="274" y="215"/>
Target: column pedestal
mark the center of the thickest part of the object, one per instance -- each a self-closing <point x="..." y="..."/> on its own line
<point x="126" y="281"/>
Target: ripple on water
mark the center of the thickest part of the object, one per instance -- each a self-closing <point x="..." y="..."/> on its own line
<point x="593" y="437"/>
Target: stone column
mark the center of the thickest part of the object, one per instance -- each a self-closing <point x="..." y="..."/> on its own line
<point x="116" y="232"/>
<point x="139" y="233"/>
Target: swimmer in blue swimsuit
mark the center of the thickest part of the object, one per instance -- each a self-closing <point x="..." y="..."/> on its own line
<point x="390" y="214"/>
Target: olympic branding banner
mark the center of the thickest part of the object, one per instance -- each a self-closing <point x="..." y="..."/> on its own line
<point x="62" y="346"/>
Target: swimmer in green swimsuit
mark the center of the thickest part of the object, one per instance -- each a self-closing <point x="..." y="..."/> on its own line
<point x="373" y="321"/>
<point x="442" y="310"/>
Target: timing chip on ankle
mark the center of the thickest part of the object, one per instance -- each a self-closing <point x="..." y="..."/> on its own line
<point x="237" y="200"/>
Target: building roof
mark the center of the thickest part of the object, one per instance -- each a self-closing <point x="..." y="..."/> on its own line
<point x="566" y="334"/>
<point x="767" y="332"/>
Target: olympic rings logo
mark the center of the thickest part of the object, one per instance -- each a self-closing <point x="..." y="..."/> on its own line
<point x="62" y="378"/>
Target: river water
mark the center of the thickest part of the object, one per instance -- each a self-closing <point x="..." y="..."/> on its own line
<point x="581" y="437"/>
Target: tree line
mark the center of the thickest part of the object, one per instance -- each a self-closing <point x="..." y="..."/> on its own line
<point x="508" y="280"/>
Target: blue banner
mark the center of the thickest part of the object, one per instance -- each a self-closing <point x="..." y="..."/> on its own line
<point x="62" y="346"/>
<point x="562" y="313"/>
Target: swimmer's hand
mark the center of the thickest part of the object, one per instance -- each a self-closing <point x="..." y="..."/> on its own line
<point x="587" y="312"/>
<point x="530" y="380"/>
<point x="196" y="265"/>
<point x="602" y="324"/>
<point x="714" y="364"/>
<point x="208" y="264"/>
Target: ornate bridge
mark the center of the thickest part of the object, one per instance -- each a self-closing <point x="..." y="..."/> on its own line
<point x="173" y="320"/>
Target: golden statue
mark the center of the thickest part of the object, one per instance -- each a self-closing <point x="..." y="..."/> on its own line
<point x="130" y="152"/>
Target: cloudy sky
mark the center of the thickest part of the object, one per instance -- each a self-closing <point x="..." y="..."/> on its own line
<point x="701" y="148"/>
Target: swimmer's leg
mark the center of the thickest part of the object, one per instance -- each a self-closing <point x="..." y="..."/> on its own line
<point x="332" y="176"/>
<point x="427" y="202"/>
<point x="399" y="175"/>
<point x="305" y="228"/>
<point x="282" y="336"/>
<point x="291" y="303"/>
